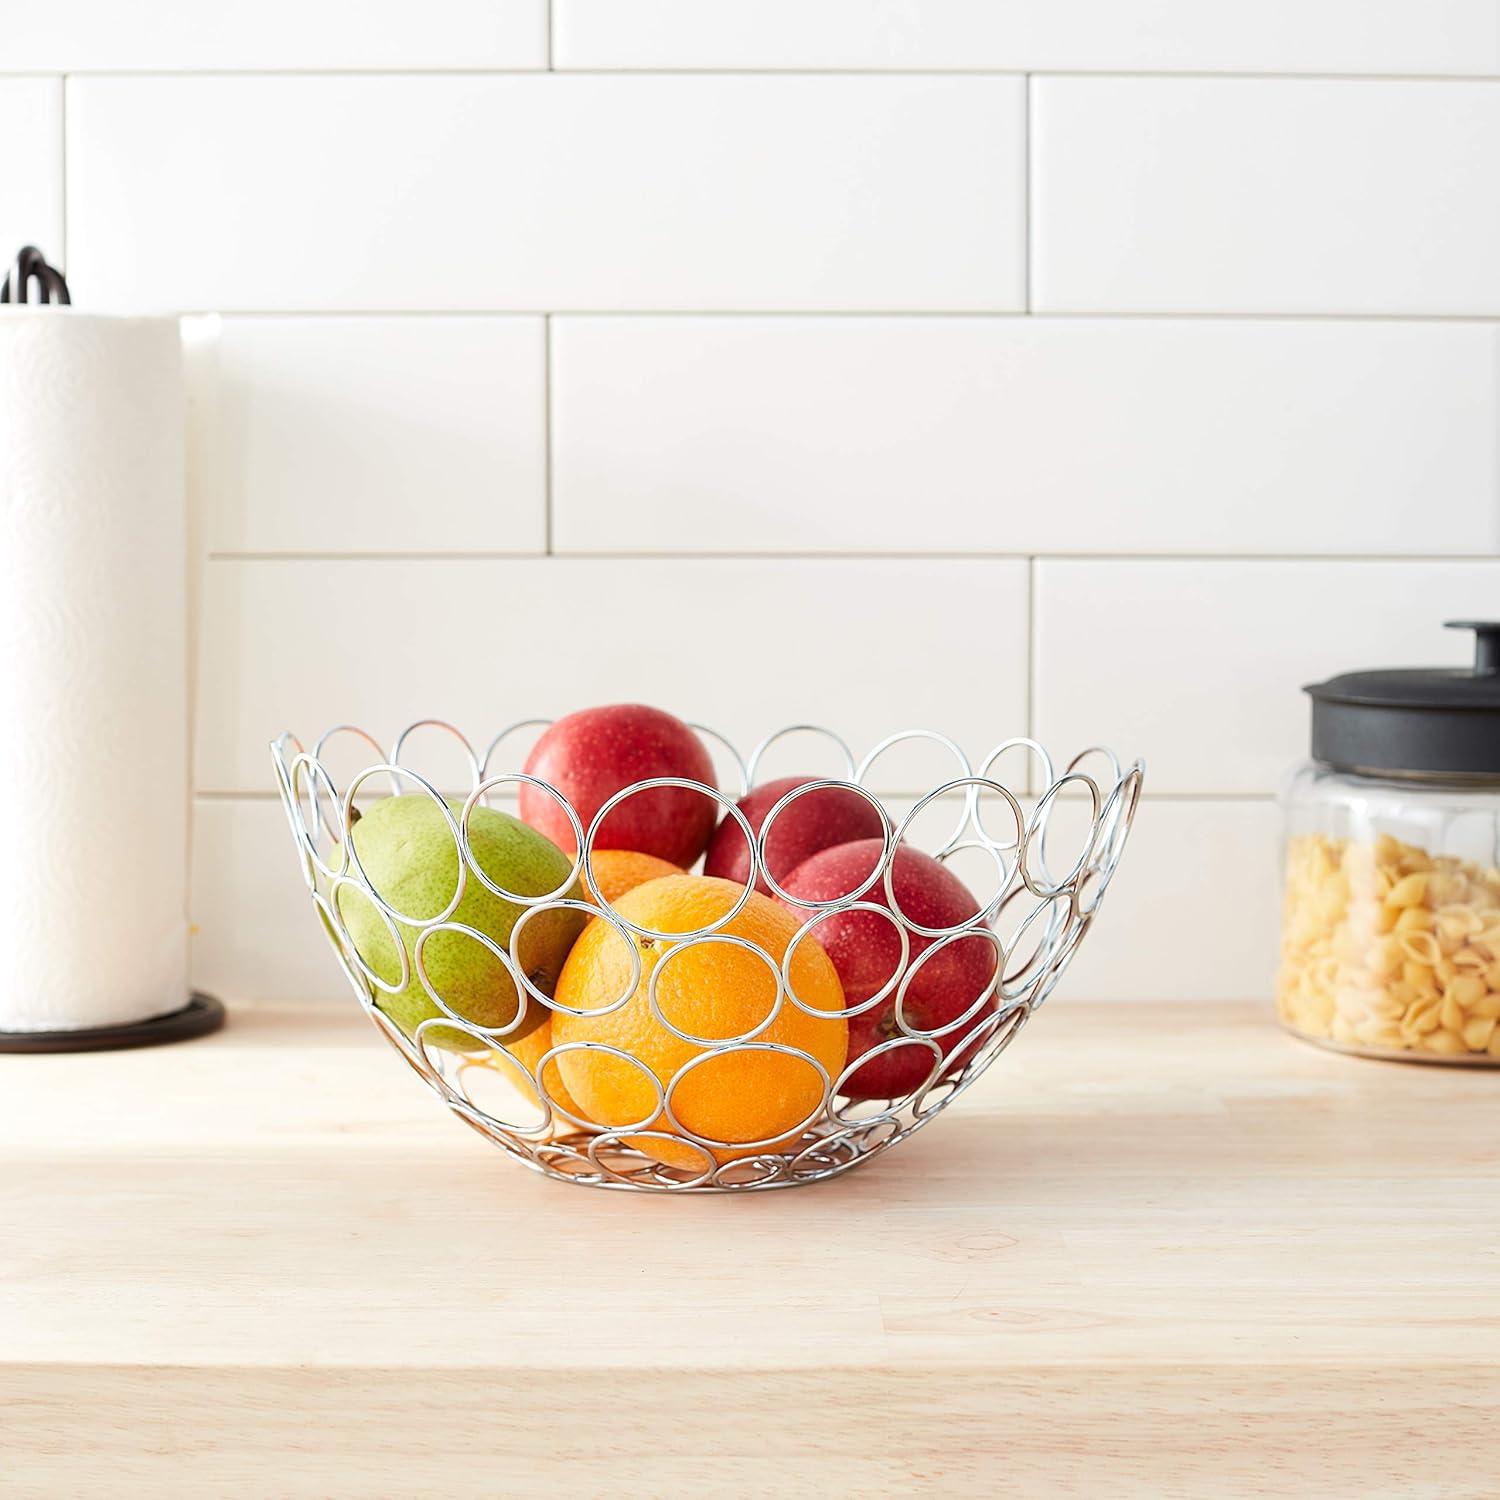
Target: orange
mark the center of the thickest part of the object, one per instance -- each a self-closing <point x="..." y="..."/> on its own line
<point x="621" y="870"/>
<point x="529" y="1051"/>
<point x="615" y="871"/>
<point x="744" y="1101"/>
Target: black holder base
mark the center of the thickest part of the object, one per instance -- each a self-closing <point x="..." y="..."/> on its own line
<point x="199" y="1017"/>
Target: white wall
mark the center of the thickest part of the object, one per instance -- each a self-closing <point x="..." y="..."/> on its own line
<point x="1103" y="369"/>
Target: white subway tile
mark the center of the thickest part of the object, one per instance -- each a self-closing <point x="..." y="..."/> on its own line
<point x="1193" y="911"/>
<point x="255" y="930"/>
<point x="76" y="36"/>
<point x="31" y="176"/>
<point x="1265" y="195"/>
<point x="738" y="434"/>
<point x="1288" y="36"/>
<point x="866" y="647"/>
<point x="379" y="434"/>
<point x="1198" y="665"/>
<point x="548" y="192"/>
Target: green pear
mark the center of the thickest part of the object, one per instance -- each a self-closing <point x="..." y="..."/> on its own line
<point x="408" y="853"/>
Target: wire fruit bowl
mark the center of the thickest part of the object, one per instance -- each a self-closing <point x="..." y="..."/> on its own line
<point x="1033" y="918"/>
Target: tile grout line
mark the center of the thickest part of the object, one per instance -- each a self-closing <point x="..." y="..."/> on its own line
<point x="1031" y="654"/>
<point x="1133" y="559"/>
<point x="547" y="436"/>
<point x="1028" y="176"/>
<point x="1019" y="71"/>
<point x="62" y="160"/>
<point x="871" y="314"/>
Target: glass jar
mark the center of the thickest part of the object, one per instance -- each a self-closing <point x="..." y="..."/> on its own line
<point x="1390" y="942"/>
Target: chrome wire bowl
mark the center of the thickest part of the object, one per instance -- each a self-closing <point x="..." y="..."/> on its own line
<point x="1035" y="915"/>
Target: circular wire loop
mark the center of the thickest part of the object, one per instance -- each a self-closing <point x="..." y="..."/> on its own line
<point x="727" y="746"/>
<point x="969" y="784"/>
<point x="975" y="1007"/>
<point x="837" y="1152"/>
<point x="307" y="765"/>
<point x="481" y="790"/>
<point x="826" y="1154"/>
<point x="364" y="991"/>
<point x="1114" y="825"/>
<point x="1054" y="910"/>
<point x="403" y="1046"/>
<point x="1104" y="753"/>
<point x="758" y="754"/>
<point x="335" y="911"/>
<point x="601" y="1049"/>
<point x="459" y="929"/>
<point x="320" y="746"/>
<point x="761" y="841"/>
<point x="440" y="1059"/>
<point x="990" y="1038"/>
<point x="749" y="1171"/>
<point x="806" y="929"/>
<point x="470" y="758"/>
<point x="1036" y="836"/>
<point x="965" y="772"/>
<point x="616" y="1137"/>
<point x="395" y="772"/>
<point x="283" y="775"/>
<point x="780" y="1049"/>
<point x="1008" y="872"/>
<point x="986" y="767"/>
<point x="882" y="1049"/>
<point x="678" y="782"/>
<point x="1059" y="956"/>
<point x="726" y="940"/>
<point x="535" y="992"/>
<point x="559" y="1158"/>
<point x="515" y="727"/>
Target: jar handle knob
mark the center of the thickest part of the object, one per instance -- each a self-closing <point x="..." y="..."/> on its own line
<point x="1486" y="644"/>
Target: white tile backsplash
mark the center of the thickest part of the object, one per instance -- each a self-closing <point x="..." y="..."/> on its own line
<point x="1024" y="435"/>
<point x="255" y="930"/>
<point x="1290" y="36"/>
<point x="1197" y="666"/>
<point x="866" y="647"/>
<point x="31" y="141"/>
<point x="1193" y="910"/>
<point x="1108" y="368"/>
<point x="1259" y="195"/>
<point x="548" y="192"/>
<point x="76" y="36"/>
<point x="380" y="435"/>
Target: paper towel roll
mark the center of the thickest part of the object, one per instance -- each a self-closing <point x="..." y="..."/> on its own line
<point x="93" y="671"/>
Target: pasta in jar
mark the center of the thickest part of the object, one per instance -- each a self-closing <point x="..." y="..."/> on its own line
<point x="1390" y="949"/>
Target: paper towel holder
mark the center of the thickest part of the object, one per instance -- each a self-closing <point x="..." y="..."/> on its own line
<point x="203" y="1013"/>
<point x="31" y="265"/>
<point x="200" y="1016"/>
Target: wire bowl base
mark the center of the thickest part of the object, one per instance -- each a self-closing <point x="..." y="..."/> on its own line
<point x="1033" y="920"/>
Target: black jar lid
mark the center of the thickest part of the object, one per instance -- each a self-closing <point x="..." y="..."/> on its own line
<point x="1416" y="721"/>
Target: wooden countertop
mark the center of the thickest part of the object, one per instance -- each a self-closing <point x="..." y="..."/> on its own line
<point x="1160" y="1250"/>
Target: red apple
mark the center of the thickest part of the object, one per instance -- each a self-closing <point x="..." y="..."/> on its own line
<point x="590" y="755"/>
<point x="866" y="951"/>
<point x="817" y="820"/>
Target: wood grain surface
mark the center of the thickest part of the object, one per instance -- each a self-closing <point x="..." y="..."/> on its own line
<point x="1159" y="1251"/>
